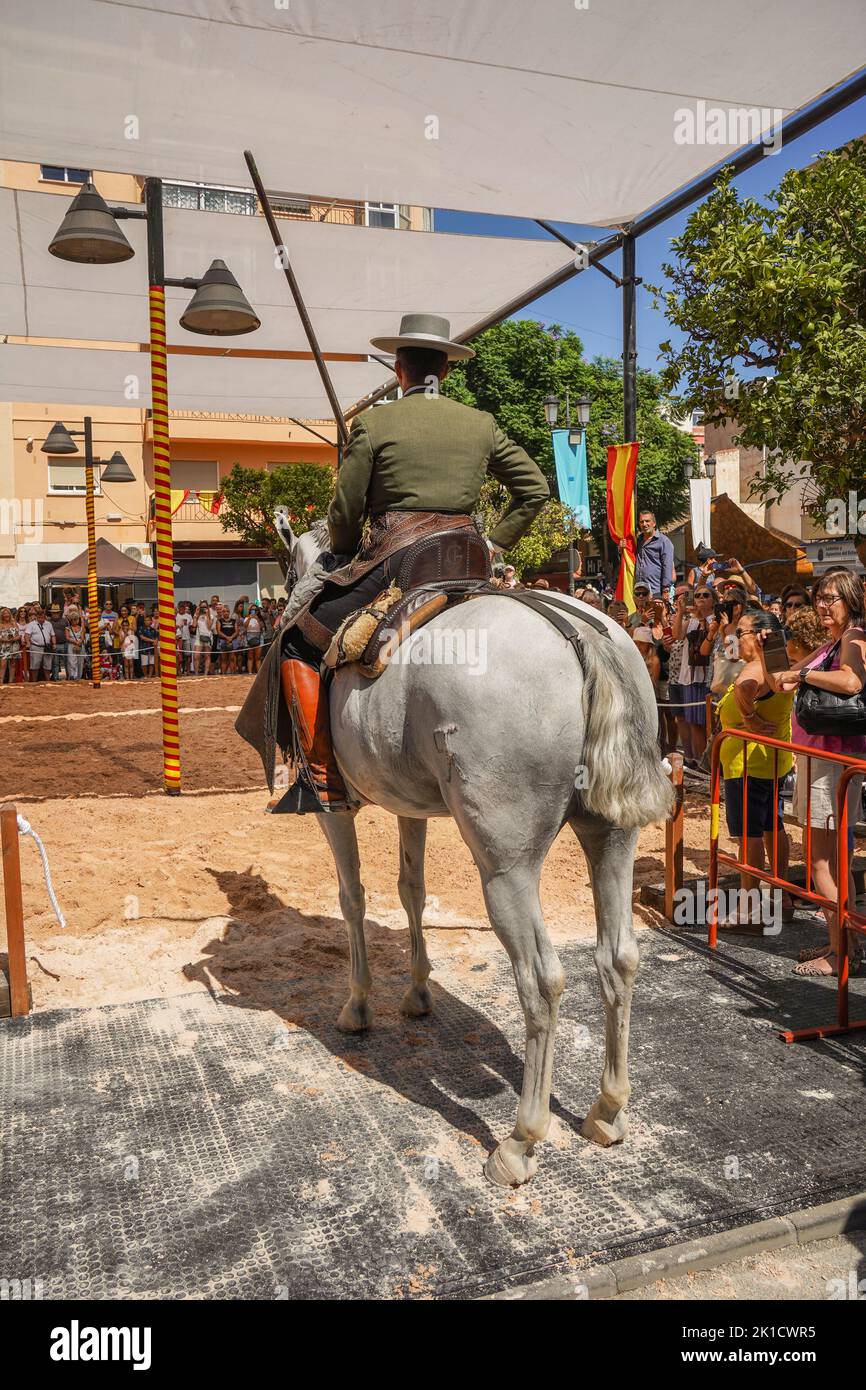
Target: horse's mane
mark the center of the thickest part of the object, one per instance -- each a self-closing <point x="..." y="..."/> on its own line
<point x="321" y="534"/>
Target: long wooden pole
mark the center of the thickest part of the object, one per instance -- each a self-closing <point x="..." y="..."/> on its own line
<point x="162" y="491"/>
<point x="19" y="994"/>
<point x="92" y="579"/>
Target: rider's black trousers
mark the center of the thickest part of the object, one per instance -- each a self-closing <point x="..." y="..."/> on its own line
<point x="335" y="603"/>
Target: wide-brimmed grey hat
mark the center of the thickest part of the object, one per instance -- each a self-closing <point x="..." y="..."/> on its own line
<point x="425" y="331"/>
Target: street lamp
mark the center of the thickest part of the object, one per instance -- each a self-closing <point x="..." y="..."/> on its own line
<point x="583" y="405"/>
<point x="117" y="470"/>
<point x="709" y="467"/>
<point x="576" y="432"/>
<point x="89" y="234"/>
<point x="575" y="435"/>
<point x="61" y="441"/>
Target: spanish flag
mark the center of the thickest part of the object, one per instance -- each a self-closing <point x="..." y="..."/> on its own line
<point x="621" y="471"/>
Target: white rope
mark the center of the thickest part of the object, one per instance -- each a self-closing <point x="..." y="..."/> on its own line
<point x="25" y="828"/>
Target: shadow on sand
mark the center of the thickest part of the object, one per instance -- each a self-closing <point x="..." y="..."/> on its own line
<point x="274" y="957"/>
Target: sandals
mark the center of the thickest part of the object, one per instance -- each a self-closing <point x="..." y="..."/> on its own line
<point x="809" y="969"/>
<point x="808" y="966"/>
<point x="812" y="952"/>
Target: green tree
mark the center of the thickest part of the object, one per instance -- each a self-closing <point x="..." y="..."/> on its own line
<point x="517" y="364"/>
<point x="778" y="288"/>
<point x="251" y="494"/>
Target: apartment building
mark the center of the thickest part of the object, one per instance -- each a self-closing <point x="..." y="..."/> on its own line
<point x="42" y="514"/>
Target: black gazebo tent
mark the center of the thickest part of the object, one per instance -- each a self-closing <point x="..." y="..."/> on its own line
<point x="119" y="576"/>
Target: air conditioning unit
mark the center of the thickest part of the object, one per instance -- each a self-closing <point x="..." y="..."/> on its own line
<point x="136" y="552"/>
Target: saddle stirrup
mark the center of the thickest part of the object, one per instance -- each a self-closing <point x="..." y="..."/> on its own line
<point x="319" y="785"/>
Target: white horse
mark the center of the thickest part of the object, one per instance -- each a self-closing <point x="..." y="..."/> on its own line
<point x="515" y="739"/>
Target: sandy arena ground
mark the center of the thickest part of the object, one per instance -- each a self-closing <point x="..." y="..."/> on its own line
<point x="151" y="885"/>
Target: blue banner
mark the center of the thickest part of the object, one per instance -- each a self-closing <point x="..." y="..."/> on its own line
<point x="571" y="475"/>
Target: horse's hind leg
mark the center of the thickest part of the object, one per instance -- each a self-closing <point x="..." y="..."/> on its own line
<point x="339" y="831"/>
<point x="610" y="855"/>
<point x="417" y="1000"/>
<point x="514" y="909"/>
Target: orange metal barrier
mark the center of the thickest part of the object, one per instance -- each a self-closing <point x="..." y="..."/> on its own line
<point x="849" y="920"/>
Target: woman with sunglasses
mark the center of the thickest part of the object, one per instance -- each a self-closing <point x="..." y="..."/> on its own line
<point x="840" y="603"/>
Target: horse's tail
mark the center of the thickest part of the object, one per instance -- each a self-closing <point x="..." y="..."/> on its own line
<point x="624" y="781"/>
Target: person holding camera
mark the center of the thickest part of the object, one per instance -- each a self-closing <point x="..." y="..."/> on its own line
<point x="694" y="625"/>
<point x="825" y="682"/>
<point x="751" y="702"/>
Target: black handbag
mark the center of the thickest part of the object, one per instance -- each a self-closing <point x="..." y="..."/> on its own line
<point x="824" y="712"/>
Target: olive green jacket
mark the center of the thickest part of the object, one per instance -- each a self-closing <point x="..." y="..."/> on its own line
<point x="429" y="453"/>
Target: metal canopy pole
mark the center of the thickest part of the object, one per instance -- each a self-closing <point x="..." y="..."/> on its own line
<point x="342" y="431"/>
<point x="629" y="342"/>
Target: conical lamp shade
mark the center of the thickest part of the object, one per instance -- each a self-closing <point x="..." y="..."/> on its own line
<point x="218" y="305"/>
<point x="89" y="233"/>
<point x="59" y="441"/>
<point x="117" y="470"/>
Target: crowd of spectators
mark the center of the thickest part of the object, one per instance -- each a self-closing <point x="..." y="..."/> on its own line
<point x="706" y="635"/>
<point x="40" y="644"/>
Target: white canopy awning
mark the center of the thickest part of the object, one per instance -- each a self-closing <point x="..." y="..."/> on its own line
<point x="356" y="281"/>
<point x="552" y="109"/>
<point x="254" y="386"/>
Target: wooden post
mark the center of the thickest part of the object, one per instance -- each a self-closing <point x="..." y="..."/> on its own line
<point x="674" y="837"/>
<point x="19" y="994"/>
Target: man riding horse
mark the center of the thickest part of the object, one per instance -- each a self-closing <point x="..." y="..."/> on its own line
<point x="412" y="469"/>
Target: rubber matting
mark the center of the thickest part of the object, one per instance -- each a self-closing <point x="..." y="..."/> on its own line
<point x="201" y="1148"/>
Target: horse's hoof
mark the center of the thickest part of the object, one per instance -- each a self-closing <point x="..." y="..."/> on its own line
<point x="509" y="1166"/>
<point x="354" y="1017"/>
<point x="416" y="1002"/>
<point x="604" y="1132"/>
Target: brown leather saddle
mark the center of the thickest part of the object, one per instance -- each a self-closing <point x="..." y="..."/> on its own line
<point x="451" y="555"/>
<point x="431" y="573"/>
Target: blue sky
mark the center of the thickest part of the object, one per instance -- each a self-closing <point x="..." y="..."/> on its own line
<point x="591" y="304"/>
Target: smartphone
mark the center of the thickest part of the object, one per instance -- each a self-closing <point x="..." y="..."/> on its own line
<point x="775" y="653"/>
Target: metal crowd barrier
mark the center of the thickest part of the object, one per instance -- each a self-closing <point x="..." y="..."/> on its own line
<point x="849" y="919"/>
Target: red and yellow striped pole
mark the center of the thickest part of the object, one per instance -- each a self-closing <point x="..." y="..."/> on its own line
<point x="164" y="547"/>
<point x="92" y="586"/>
<point x="162" y="490"/>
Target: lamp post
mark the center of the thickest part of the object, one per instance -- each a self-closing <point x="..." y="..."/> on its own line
<point x="89" y="234"/>
<point x="576" y="433"/>
<point x="60" y="440"/>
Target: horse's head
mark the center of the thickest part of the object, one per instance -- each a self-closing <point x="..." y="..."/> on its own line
<point x="303" y="550"/>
